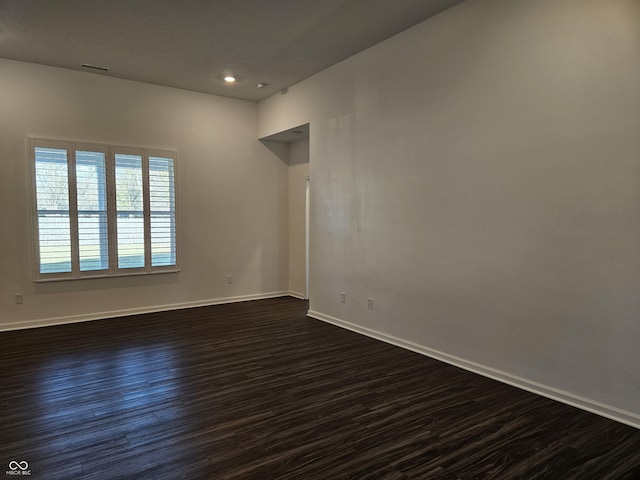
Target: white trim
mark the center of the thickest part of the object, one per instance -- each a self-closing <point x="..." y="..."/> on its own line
<point x="298" y="295"/>
<point x="48" y="322"/>
<point x="33" y="204"/>
<point x="592" y="406"/>
<point x="307" y="232"/>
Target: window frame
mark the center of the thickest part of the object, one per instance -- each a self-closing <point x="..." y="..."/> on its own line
<point x="109" y="151"/>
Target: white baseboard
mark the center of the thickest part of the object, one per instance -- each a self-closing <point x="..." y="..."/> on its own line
<point x="568" y="398"/>
<point x="47" y="322"/>
<point x="297" y="295"/>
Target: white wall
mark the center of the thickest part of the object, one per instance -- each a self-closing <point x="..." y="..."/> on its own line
<point x="478" y="176"/>
<point x="232" y="191"/>
<point x="298" y="173"/>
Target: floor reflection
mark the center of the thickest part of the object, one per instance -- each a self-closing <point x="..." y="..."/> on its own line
<point x="101" y="399"/>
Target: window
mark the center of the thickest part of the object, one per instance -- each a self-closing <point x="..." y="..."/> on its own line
<point x="102" y="210"/>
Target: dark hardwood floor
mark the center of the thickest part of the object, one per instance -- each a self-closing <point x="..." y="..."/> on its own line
<point x="257" y="390"/>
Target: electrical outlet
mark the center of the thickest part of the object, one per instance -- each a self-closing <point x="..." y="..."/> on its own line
<point x="229" y="279"/>
<point x="370" y="303"/>
<point x="343" y="297"/>
<point x="18" y="298"/>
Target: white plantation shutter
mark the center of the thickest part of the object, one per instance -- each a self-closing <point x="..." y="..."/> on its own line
<point x="91" y="191"/>
<point x="130" y="211"/>
<point x="102" y="211"/>
<point x="163" y="211"/>
<point x="53" y="219"/>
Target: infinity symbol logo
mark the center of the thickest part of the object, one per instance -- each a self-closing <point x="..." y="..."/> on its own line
<point x="13" y="465"/>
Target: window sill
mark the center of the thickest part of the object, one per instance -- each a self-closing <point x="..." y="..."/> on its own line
<point x="93" y="277"/>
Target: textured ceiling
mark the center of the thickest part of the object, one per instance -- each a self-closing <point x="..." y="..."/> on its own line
<point x="191" y="44"/>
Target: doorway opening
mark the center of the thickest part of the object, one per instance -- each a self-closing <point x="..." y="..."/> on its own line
<point x="292" y="147"/>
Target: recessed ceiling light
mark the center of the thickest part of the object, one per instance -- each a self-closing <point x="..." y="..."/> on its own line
<point x="229" y="78"/>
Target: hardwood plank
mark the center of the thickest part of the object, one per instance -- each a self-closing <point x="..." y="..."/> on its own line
<point x="256" y="390"/>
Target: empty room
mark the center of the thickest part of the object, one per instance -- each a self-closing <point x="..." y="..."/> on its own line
<point x="320" y="239"/>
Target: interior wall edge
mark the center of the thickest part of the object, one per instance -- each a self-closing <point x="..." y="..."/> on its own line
<point x="568" y="398"/>
<point x="49" y="322"/>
